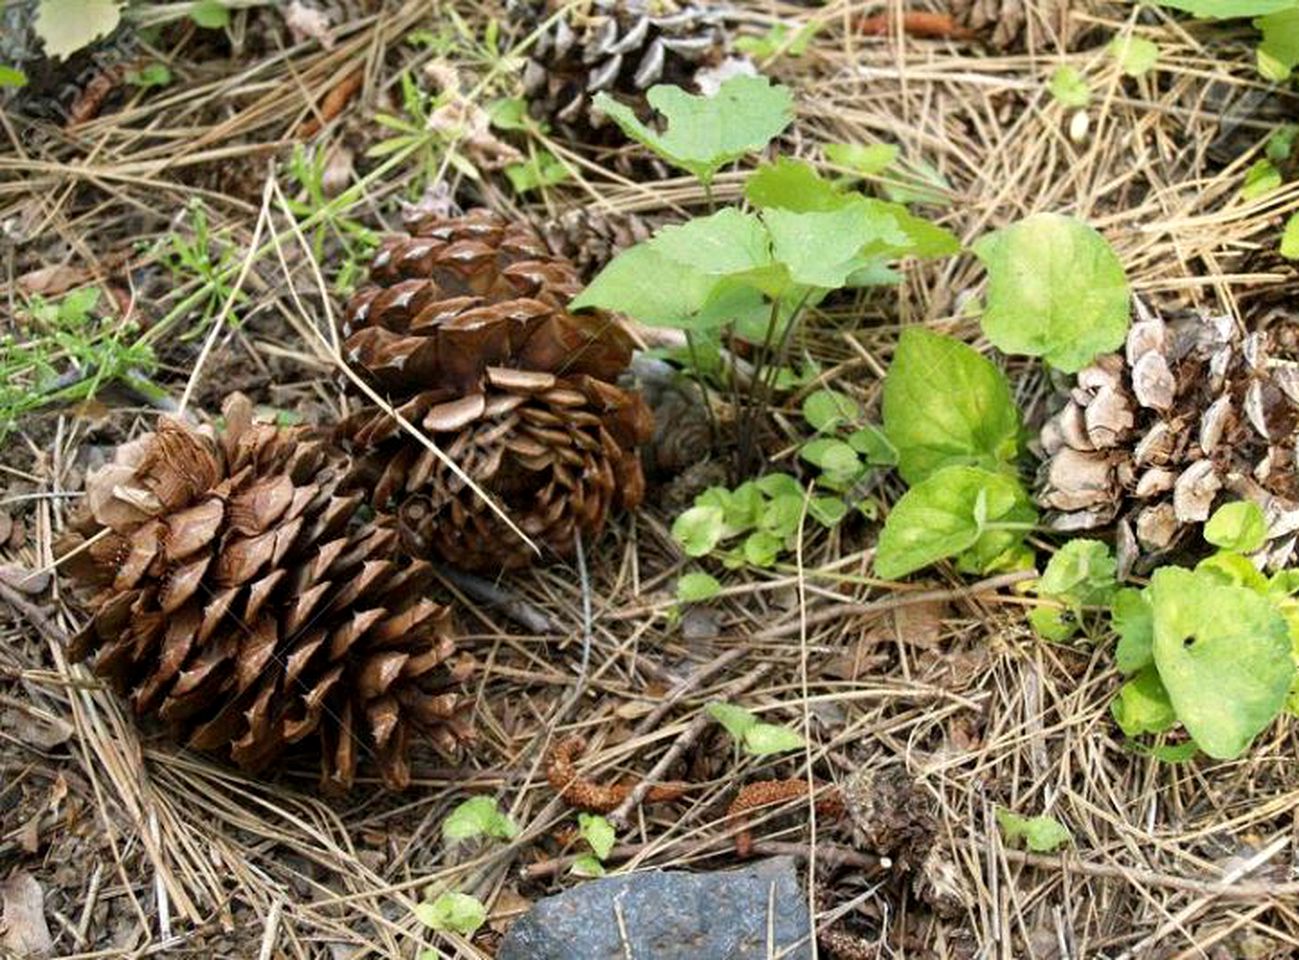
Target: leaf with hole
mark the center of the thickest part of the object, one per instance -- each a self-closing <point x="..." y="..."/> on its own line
<point x="1223" y="654"/>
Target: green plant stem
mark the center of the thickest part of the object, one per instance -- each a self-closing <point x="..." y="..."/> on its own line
<point x="714" y="430"/>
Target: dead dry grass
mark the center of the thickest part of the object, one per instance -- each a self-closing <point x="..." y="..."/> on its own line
<point x="142" y="849"/>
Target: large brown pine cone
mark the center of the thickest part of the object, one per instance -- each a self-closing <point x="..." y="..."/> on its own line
<point x="621" y="47"/>
<point x="1195" y="412"/>
<point x="464" y="327"/>
<point x="237" y="597"/>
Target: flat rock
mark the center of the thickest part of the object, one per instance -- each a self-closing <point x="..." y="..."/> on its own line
<point x="662" y="915"/>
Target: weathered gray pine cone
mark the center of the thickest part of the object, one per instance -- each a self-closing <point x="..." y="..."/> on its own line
<point x="1193" y="413"/>
<point x="622" y="47"/>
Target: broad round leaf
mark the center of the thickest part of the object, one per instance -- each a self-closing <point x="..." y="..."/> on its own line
<point x="1055" y="290"/>
<point x="1239" y="526"/>
<point x="1223" y="654"/>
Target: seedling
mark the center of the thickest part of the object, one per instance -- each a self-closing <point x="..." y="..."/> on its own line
<point x="754" y="738"/>
<point x="1041" y="834"/>
<point x="478" y="817"/>
<point x="599" y="836"/>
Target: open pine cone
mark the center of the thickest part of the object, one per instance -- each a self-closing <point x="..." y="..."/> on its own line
<point x="464" y="327"/>
<point x="1193" y="413"/>
<point x="237" y="597"/>
<point x="621" y="47"/>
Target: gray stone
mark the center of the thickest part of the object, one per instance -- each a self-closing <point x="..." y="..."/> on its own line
<point x="660" y="915"/>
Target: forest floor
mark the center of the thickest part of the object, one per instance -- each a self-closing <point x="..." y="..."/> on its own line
<point x="162" y="194"/>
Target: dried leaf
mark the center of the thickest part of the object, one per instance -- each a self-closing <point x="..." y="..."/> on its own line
<point x="25" y="930"/>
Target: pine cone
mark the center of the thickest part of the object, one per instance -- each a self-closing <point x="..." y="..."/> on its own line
<point x="237" y="597"/>
<point x="464" y="327"/>
<point x="1014" y="25"/>
<point x="622" y="47"/>
<point x="1194" y="412"/>
<point x="590" y="238"/>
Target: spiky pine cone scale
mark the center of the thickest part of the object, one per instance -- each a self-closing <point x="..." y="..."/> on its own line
<point x="465" y="328"/>
<point x="236" y="597"/>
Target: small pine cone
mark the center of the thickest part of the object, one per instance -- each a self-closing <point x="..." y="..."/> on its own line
<point x="464" y="326"/>
<point x="621" y="47"/>
<point x="590" y="238"/>
<point x="1014" y="25"/>
<point x="1193" y="413"/>
<point x="237" y="597"/>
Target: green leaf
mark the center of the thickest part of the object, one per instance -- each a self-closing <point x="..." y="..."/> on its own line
<point x="150" y="75"/>
<point x="827" y="511"/>
<point x="1233" y="569"/>
<point x="949" y="513"/>
<point x="509" y="113"/>
<point x="1069" y="88"/>
<point x="832" y="456"/>
<point x="1260" y="179"/>
<point x="697" y="587"/>
<point x="478" y="817"/>
<point x="736" y="720"/>
<point x="596" y="831"/>
<point x="1136" y="55"/>
<point x="452" y="913"/>
<point x="12" y="77"/>
<point x="918" y="182"/>
<point x="1175" y="752"/>
<point x="1081" y="573"/>
<point x="699" y="530"/>
<point x="819" y="249"/>
<point x="210" y="14"/>
<point x="865" y="160"/>
<point x="1228" y="9"/>
<point x="1281" y="142"/>
<point x="764" y="739"/>
<point x="779" y="40"/>
<point x="727" y="242"/>
<point x="543" y="169"/>
<point x="790" y="184"/>
<point x="762" y="548"/>
<point x="828" y="410"/>
<point x="1223" y="654"/>
<point x="587" y="865"/>
<point x="1041" y="834"/>
<point x="1053" y="622"/>
<point x="1142" y="705"/>
<point x="1290" y="238"/>
<point x="660" y="292"/>
<point x="1055" y="290"/>
<point x="871" y="442"/>
<point x="704" y="133"/>
<point x="779" y="485"/>
<point x="1134" y="622"/>
<point x="946" y="404"/>
<point x="1238" y="526"/>
<point x="68" y="25"/>
<point x="1278" y="53"/>
<point x="781" y="516"/>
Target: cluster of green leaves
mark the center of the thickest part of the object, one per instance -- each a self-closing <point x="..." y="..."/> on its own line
<point x="542" y="168"/>
<point x="307" y="168"/>
<point x="64" y="352"/>
<point x="950" y="419"/>
<point x="1041" y="834"/>
<point x="200" y="258"/>
<point x="753" y="737"/>
<point x="766" y="513"/>
<point x="846" y="447"/>
<point x="448" y="911"/>
<point x="599" y="835"/>
<point x="1276" y="20"/>
<point x="1213" y="648"/>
